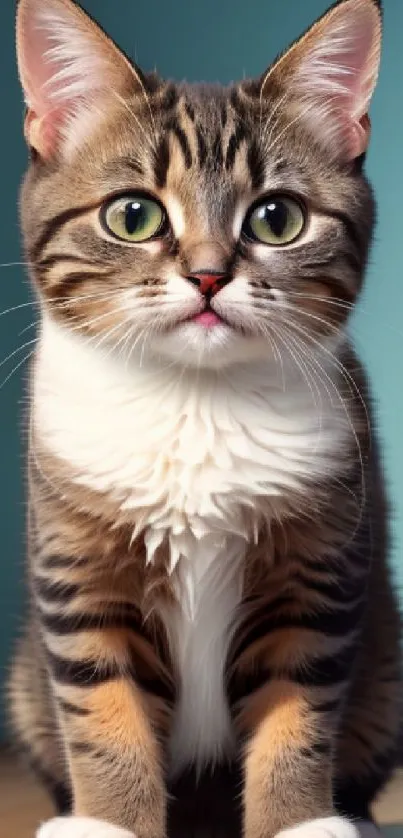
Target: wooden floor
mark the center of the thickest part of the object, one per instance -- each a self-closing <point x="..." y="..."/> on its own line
<point x="23" y="804"/>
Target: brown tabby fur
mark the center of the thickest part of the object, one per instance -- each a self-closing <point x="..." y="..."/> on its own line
<point x="313" y="672"/>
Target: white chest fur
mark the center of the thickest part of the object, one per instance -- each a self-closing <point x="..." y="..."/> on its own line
<point x="193" y="454"/>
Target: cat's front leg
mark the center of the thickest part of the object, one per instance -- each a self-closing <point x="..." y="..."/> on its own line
<point x="288" y="772"/>
<point x="290" y="720"/>
<point x="107" y="726"/>
<point x="113" y="755"/>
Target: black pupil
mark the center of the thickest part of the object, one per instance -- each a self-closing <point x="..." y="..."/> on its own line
<point x="135" y="217"/>
<point x="276" y="216"/>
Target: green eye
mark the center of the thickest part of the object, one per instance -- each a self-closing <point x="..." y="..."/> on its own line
<point x="278" y="220"/>
<point x="133" y="218"/>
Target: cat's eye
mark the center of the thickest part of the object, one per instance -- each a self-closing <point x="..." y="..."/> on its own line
<point x="278" y="220"/>
<point x="133" y="218"/>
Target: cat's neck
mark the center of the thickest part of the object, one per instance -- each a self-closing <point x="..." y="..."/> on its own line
<point x="81" y="360"/>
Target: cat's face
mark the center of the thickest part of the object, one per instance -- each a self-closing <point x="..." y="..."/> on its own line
<point x="203" y="225"/>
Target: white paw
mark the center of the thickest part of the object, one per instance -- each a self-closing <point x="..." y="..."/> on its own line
<point x="333" y="827"/>
<point x="73" y="827"/>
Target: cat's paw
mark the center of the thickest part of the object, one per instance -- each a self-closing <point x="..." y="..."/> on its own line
<point x="75" y="827"/>
<point x="333" y="827"/>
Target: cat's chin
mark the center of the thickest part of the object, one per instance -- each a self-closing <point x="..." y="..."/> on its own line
<point x="192" y="344"/>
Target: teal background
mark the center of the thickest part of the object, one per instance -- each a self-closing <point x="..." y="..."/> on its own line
<point x="213" y="40"/>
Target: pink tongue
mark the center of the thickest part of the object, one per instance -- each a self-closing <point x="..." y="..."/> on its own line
<point x="207" y="319"/>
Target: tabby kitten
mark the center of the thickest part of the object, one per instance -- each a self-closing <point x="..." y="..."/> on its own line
<point x="207" y="528"/>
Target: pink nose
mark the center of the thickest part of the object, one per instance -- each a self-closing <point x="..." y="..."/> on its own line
<point x="209" y="283"/>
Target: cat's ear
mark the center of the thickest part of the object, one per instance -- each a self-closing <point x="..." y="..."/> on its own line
<point x="331" y="73"/>
<point x="69" y="69"/>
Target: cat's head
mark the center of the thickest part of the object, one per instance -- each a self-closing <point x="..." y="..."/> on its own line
<point x="205" y="225"/>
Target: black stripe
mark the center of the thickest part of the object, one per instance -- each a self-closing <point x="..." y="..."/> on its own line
<point x="319" y="566"/>
<point x="350" y="228"/>
<point x="234" y="142"/>
<point x="55" y="592"/>
<point x="161" y="162"/>
<point x="61" y="562"/>
<point x="325" y="671"/>
<point x="339" y="591"/>
<point x="88" y="749"/>
<point x="190" y="111"/>
<point x="320" y="672"/>
<point x="237" y="104"/>
<point x="318" y="749"/>
<point x="81" y="673"/>
<point x="54" y="224"/>
<point x="239" y="686"/>
<point x="169" y="98"/>
<point x="250" y="631"/>
<point x="54" y="259"/>
<point x="354" y="262"/>
<point x="73" y="709"/>
<point x="157" y="687"/>
<point x="180" y="135"/>
<point x="134" y="166"/>
<point x="68" y="284"/>
<point x="201" y="147"/>
<point x="327" y="623"/>
<point x="72" y="623"/>
<point x="231" y="151"/>
<point x="256" y="166"/>
<point x="60" y="793"/>
<point x="82" y="748"/>
<point x="217" y="152"/>
<point x="327" y="706"/>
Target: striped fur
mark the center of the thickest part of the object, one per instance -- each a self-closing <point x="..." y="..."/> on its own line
<point x="208" y="534"/>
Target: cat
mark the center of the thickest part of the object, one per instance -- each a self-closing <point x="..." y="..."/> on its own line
<point x="208" y="528"/>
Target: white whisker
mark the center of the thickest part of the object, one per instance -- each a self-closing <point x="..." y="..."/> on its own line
<point x="16" y="351"/>
<point x="15" y="369"/>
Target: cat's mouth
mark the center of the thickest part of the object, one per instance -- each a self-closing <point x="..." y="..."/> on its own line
<point x="208" y="318"/>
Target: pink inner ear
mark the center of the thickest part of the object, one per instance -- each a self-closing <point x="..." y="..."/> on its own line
<point x="358" y="65"/>
<point x="35" y="70"/>
<point x="63" y="64"/>
<point x="337" y="74"/>
<point x="356" y="79"/>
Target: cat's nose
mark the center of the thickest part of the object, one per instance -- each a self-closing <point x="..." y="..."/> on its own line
<point x="208" y="282"/>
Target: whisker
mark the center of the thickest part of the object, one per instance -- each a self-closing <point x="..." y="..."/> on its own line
<point x="299" y="117"/>
<point x="15" y="265"/>
<point x="359" y="307"/>
<point x="353" y="388"/>
<point x="18" y="307"/>
<point x="340" y="366"/>
<point x="302" y="312"/>
<point x="134" y="116"/>
<point x="16" y="351"/>
<point x="305" y="376"/>
<point x="360" y="502"/>
<point x="34" y="324"/>
<point x="271" y="122"/>
<point x="15" y="369"/>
